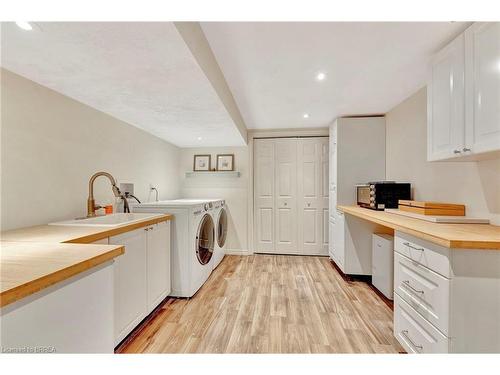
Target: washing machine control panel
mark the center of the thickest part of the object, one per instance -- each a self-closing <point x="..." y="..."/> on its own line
<point x="199" y="209"/>
<point x="219" y="204"/>
<point x="205" y="207"/>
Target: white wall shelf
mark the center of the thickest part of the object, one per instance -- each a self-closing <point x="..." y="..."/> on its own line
<point x="213" y="173"/>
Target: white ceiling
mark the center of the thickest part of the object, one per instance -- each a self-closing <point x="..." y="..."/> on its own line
<point x="141" y="73"/>
<point x="370" y="67"/>
<point x="145" y="74"/>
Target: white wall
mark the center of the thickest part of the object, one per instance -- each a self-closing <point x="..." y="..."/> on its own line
<point x="233" y="190"/>
<point x="52" y="144"/>
<point x="475" y="184"/>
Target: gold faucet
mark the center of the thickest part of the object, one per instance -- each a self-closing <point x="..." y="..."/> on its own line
<point x="91" y="206"/>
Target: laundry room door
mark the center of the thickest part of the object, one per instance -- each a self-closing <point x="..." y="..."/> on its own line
<point x="286" y="195"/>
<point x="264" y="193"/>
<point x="312" y="193"/>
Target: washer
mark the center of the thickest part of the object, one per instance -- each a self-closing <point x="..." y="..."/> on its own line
<point x="221" y="223"/>
<point x="193" y="241"/>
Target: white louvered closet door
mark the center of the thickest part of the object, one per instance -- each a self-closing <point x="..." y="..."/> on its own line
<point x="291" y="195"/>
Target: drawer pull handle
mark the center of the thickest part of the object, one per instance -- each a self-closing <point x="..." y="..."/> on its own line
<point x="407" y="284"/>
<point x="413" y="247"/>
<point x="405" y="335"/>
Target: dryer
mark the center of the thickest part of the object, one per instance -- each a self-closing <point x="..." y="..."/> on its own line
<point x="193" y="241"/>
<point x="221" y="224"/>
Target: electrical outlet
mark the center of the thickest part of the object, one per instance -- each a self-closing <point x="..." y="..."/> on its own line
<point x="127" y="188"/>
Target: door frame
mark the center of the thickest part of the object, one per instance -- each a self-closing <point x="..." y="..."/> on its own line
<point x="270" y="133"/>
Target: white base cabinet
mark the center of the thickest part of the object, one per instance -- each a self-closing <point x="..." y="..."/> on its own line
<point x="158" y="264"/>
<point x="445" y="300"/>
<point x="336" y="244"/>
<point x="130" y="282"/>
<point x="141" y="276"/>
<point x="73" y="316"/>
<point x="383" y="263"/>
<point x="351" y="249"/>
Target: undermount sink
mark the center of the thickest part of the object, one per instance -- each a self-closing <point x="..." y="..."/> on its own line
<point x="112" y="220"/>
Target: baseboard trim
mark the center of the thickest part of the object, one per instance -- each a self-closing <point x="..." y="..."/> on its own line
<point x="237" y="252"/>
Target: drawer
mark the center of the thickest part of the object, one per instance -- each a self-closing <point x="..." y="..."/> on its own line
<point x="432" y="256"/>
<point x="424" y="290"/>
<point x="415" y="333"/>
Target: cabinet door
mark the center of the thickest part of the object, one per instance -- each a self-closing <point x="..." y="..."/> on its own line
<point x="331" y="239"/>
<point x="286" y="195"/>
<point x="339" y="239"/>
<point x="446" y="103"/>
<point x="264" y="188"/>
<point x="483" y="87"/>
<point x="312" y="195"/>
<point x="130" y="282"/>
<point x="158" y="263"/>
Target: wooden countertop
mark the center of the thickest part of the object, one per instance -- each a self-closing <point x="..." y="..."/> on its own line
<point x="459" y="236"/>
<point x="35" y="258"/>
<point x="28" y="267"/>
<point x="75" y="234"/>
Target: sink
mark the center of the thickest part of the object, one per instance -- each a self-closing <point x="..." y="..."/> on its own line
<point x="112" y="220"/>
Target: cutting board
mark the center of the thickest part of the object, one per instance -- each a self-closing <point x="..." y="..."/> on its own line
<point x="432" y="208"/>
<point x="440" y="219"/>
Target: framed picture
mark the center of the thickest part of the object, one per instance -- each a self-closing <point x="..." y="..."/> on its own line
<point x="201" y="163"/>
<point x="225" y="162"/>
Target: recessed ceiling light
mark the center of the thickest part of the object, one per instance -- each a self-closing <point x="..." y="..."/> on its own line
<point x="305" y="115"/>
<point x="320" y="76"/>
<point x="199" y="138"/>
<point x="24" y="25"/>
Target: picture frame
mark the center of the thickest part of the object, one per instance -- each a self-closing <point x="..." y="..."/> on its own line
<point x="225" y="162"/>
<point x="201" y="163"/>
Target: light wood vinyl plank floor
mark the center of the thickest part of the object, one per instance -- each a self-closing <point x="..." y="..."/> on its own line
<point x="272" y="304"/>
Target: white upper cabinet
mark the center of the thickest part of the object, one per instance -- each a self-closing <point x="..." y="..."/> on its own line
<point x="446" y="105"/>
<point x="483" y="87"/>
<point x="464" y="96"/>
